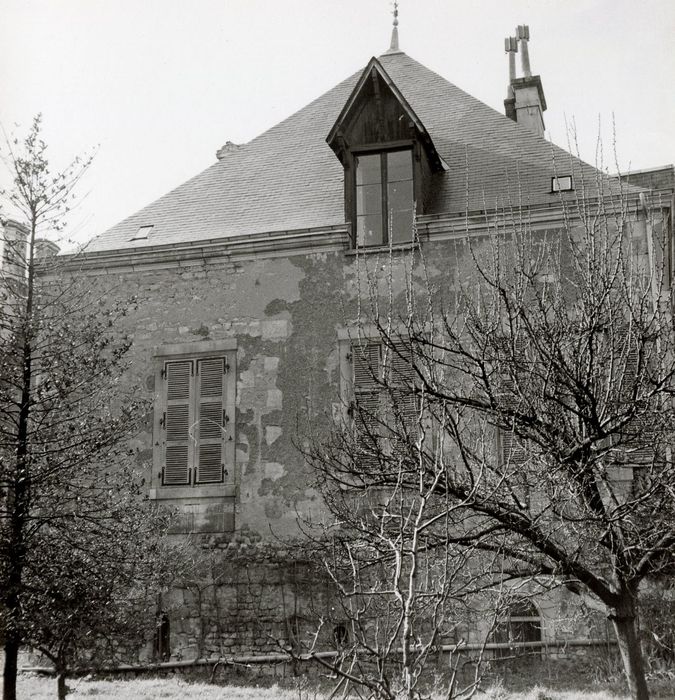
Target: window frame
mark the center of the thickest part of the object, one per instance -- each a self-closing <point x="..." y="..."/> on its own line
<point x="381" y="150"/>
<point x="562" y="183"/>
<point x="196" y="353"/>
<point x="512" y="630"/>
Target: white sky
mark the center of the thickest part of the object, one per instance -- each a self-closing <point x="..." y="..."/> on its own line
<point x="160" y="85"/>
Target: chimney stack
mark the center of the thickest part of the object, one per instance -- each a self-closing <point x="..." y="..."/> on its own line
<point x="13" y="249"/>
<point x="525" y="102"/>
<point x="511" y="48"/>
<point x="14" y="244"/>
<point x="45" y="249"/>
<point x="523" y="35"/>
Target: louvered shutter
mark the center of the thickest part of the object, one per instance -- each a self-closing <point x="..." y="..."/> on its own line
<point x="177" y="420"/>
<point x="211" y="430"/>
<point x="367" y="401"/>
<point x="366" y="362"/>
<point x="512" y="452"/>
<point x="402" y="392"/>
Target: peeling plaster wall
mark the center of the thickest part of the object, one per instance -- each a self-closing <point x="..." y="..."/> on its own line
<point x="285" y="312"/>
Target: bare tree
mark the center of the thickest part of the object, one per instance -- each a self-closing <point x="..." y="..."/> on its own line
<point x="541" y="356"/>
<point x="75" y="534"/>
<point x="406" y="594"/>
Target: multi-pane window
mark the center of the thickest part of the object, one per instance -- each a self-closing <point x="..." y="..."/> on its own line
<point x="197" y="421"/>
<point x="384" y="197"/>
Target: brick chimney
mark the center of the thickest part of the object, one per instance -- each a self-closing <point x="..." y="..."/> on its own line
<point x="525" y="102"/>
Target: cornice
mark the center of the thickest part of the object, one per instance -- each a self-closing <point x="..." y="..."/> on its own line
<point x="190" y="253"/>
<point x="320" y="239"/>
<point x="539" y="216"/>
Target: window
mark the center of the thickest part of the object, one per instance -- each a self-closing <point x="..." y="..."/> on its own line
<point x="194" y="420"/>
<point x="522" y="623"/>
<point x="340" y="635"/>
<point x="561" y="183"/>
<point x="384" y="197"/>
<point x="162" y="638"/>
<point x="143" y="233"/>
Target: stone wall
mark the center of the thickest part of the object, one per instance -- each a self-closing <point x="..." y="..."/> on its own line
<point x="284" y="312"/>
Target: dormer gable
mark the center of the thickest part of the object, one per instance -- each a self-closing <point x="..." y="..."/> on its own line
<point x="388" y="158"/>
<point x="378" y="113"/>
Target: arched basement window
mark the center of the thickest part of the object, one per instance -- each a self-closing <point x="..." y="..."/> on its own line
<point x="522" y="623"/>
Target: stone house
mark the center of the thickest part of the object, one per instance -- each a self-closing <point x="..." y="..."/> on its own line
<point x="247" y="279"/>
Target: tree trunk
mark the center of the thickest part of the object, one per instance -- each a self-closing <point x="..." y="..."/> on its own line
<point x="13" y="612"/>
<point x="12" y="644"/>
<point x="61" y="687"/>
<point x="625" y="621"/>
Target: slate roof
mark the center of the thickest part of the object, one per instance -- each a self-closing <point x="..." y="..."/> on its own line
<point x="288" y="178"/>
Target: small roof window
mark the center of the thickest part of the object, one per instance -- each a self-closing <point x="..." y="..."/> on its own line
<point x="561" y="183"/>
<point x="143" y="233"/>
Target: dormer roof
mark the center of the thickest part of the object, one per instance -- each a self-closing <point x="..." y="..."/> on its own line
<point x="288" y="178"/>
<point x="372" y="71"/>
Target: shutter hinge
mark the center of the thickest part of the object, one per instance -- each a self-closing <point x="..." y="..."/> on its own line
<point x="226" y="418"/>
<point x="163" y="373"/>
<point x="226" y="367"/>
<point x="162" y="421"/>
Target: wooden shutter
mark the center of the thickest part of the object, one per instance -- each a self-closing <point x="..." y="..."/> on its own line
<point x="367" y="401"/>
<point x="211" y="420"/>
<point x="178" y="377"/>
<point x="367" y="390"/>
<point x="403" y="391"/>
<point x="512" y="452"/>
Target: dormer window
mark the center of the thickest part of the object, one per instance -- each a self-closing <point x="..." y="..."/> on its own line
<point x="384" y="197"/>
<point x="389" y="161"/>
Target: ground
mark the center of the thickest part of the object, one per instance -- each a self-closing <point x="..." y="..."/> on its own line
<point x="39" y="688"/>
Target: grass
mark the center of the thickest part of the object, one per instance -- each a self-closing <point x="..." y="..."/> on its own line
<point x="39" y="688"/>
